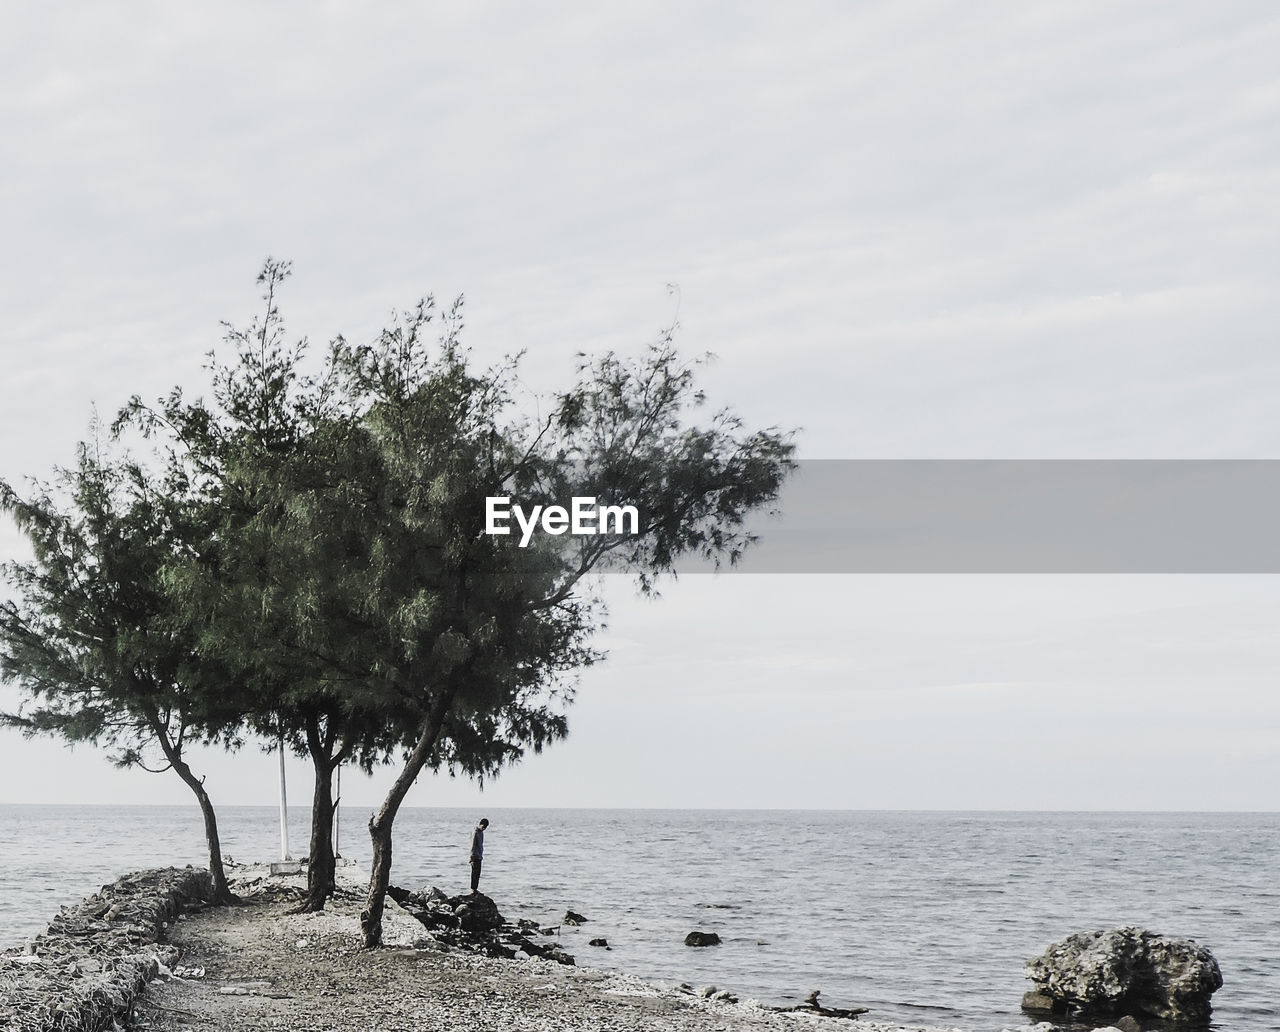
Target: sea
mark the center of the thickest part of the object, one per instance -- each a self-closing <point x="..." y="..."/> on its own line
<point x="924" y="918"/>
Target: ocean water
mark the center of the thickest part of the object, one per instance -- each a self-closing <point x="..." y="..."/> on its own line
<point x="926" y="918"/>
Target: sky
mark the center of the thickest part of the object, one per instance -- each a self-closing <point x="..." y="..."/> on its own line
<point x="909" y="229"/>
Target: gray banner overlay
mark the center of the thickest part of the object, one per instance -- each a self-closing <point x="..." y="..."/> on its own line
<point x="1022" y="516"/>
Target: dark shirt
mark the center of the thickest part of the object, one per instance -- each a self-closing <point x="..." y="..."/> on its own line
<point x="477" y="844"/>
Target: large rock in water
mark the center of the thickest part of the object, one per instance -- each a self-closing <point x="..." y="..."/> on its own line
<point x="1128" y="971"/>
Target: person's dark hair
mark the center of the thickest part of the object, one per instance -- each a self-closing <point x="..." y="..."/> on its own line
<point x="484" y="822"/>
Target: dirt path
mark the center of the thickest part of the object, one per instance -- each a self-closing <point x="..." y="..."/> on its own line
<point x="266" y="970"/>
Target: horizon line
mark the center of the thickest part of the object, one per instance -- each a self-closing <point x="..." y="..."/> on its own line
<point x="304" y="808"/>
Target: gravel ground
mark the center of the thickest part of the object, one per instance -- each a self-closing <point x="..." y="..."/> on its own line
<point x="255" y="967"/>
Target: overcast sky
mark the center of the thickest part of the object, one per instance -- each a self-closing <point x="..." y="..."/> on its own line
<point x="915" y="230"/>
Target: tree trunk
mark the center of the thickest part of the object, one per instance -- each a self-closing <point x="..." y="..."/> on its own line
<point x="380" y="823"/>
<point x="173" y="753"/>
<point x="379" y="876"/>
<point x="221" y="892"/>
<point x="321" y="868"/>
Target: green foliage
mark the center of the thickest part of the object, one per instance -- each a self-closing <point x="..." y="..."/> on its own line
<point x="346" y="582"/>
<point x="94" y="635"/>
<point x="621" y="435"/>
<point x="306" y="556"/>
<point x="91" y="636"/>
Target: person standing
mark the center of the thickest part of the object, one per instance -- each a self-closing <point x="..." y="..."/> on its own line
<point x="477" y="853"/>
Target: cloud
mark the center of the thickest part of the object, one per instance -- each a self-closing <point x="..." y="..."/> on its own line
<point x="914" y="229"/>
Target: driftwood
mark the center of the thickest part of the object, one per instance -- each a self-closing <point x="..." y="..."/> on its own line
<point x="812" y="1006"/>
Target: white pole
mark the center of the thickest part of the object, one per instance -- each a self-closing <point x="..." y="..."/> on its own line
<point x="284" y="809"/>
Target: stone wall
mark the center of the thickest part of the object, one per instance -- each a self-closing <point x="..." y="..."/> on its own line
<point x="85" y="970"/>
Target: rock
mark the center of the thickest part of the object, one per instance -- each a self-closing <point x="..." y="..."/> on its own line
<point x="599" y="942"/>
<point x="702" y="939"/>
<point x="554" y="952"/>
<point x="570" y="918"/>
<point x="437" y="918"/>
<point x="425" y="898"/>
<point x="477" y="913"/>
<point x="1128" y="1024"/>
<point x="1128" y="972"/>
<point x="707" y="991"/>
<point x="1036" y="1002"/>
<point x="724" y="996"/>
<point x="493" y="948"/>
<point x="472" y="922"/>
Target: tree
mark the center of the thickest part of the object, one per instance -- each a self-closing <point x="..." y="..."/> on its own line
<point x="341" y="582"/>
<point x="267" y="463"/>
<point x="401" y="589"/>
<point x="344" y="580"/>
<point x="92" y="636"/>
<point x="478" y="637"/>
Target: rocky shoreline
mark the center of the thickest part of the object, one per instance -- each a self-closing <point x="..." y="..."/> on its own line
<point x="148" y="953"/>
<point x="94" y="959"/>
